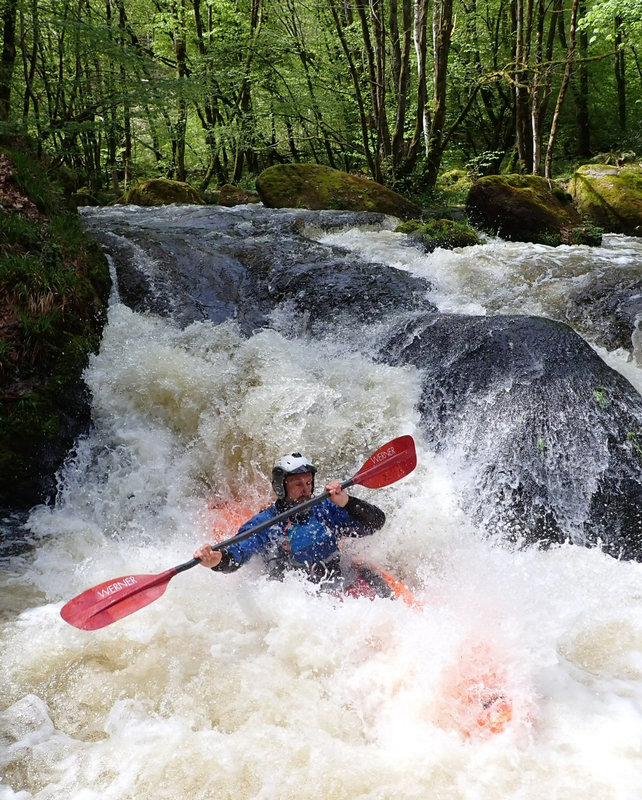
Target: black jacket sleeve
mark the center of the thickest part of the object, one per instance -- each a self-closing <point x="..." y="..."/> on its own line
<point x="371" y="517"/>
<point x="228" y="563"/>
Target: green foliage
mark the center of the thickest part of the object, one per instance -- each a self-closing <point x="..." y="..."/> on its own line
<point x="484" y="163"/>
<point x="588" y="234"/>
<point x="115" y="99"/>
<point x="53" y="292"/>
<point x="636" y="444"/>
<point x="33" y="179"/>
<point x="452" y="188"/>
<point x="6" y="354"/>
<point x="599" y="20"/>
<point x="49" y="274"/>
<point x="17" y="232"/>
<point x="444" y="233"/>
<point x="602" y="397"/>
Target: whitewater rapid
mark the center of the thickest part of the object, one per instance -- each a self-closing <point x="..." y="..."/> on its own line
<point x="233" y="686"/>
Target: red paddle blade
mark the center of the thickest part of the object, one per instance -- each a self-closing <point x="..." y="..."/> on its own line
<point x="390" y="463"/>
<point x="114" y="599"/>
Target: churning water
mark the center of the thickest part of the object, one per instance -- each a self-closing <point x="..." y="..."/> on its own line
<point x="239" y="687"/>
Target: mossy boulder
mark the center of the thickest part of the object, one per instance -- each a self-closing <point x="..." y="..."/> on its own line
<point x="610" y="196"/>
<point x="527" y="208"/>
<point x="444" y="233"/>
<point x="160" y="192"/>
<point x="84" y="197"/>
<point x="211" y="197"/>
<point x="316" y="187"/>
<point x="230" y="195"/>
<point x="454" y="185"/>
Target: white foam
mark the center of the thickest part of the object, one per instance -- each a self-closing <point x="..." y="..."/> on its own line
<point x="235" y="686"/>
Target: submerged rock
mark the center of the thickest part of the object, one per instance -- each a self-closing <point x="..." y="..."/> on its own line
<point x="208" y="264"/>
<point x="546" y="430"/>
<point x="607" y="308"/>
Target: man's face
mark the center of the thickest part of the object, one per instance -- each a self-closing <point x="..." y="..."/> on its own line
<point x="298" y="488"/>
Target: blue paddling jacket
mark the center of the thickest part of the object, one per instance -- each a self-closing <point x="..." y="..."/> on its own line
<point x="308" y="541"/>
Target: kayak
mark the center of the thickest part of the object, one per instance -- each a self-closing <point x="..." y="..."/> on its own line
<point x="389" y="586"/>
<point x="474" y="699"/>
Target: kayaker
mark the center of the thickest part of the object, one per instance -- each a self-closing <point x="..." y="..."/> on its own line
<point x="307" y="541"/>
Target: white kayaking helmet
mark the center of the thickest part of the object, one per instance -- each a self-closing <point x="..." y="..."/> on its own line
<point x="292" y="464"/>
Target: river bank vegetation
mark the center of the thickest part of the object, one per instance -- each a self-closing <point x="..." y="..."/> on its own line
<point x="215" y="91"/>
<point x="54" y="284"/>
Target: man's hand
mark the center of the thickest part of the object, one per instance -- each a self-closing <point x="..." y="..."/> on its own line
<point x="209" y="558"/>
<point x="337" y="494"/>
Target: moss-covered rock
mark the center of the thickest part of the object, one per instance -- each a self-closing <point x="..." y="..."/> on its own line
<point x="444" y="233"/>
<point x="160" y="192"/>
<point x="610" y="196"/>
<point x="316" y="187"/>
<point x="454" y="185"/>
<point x="54" y="287"/>
<point x="83" y="197"/>
<point x="229" y="195"/>
<point x="211" y="197"/>
<point x="527" y="208"/>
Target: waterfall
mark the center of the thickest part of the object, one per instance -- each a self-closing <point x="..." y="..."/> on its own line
<point x="237" y="335"/>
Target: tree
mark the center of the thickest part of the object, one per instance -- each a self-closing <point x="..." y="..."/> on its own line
<point x="8" y="10"/>
<point x="219" y="89"/>
<point x="442" y="31"/>
<point x="616" y="25"/>
<point x="570" y="59"/>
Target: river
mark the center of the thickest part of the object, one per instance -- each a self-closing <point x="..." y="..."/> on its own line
<point x="235" y="686"/>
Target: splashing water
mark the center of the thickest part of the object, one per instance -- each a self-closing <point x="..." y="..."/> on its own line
<point x="233" y="686"/>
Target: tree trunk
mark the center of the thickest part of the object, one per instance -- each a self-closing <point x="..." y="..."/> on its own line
<point x="375" y="62"/>
<point x="562" y="92"/>
<point x="356" y="83"/>
<point x="620" y="74"/>
<point x="180" y="50"/>
<point x="422" y="121"/>
<point x="209" y="112"/>
<point x="537" y="90"/>
<point x="523" y="32"/>
<point x="380" y="94"/>
<point x="7" y="56"/>
<point x="581" y="91"/>
<point x="244" y="99"/>
<point x="401" y="76"/>
<point x="29" y="60"/>
<point x="111" y="136"/>
<point x="296" y="31"/>
<point x="442" y="31"/>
